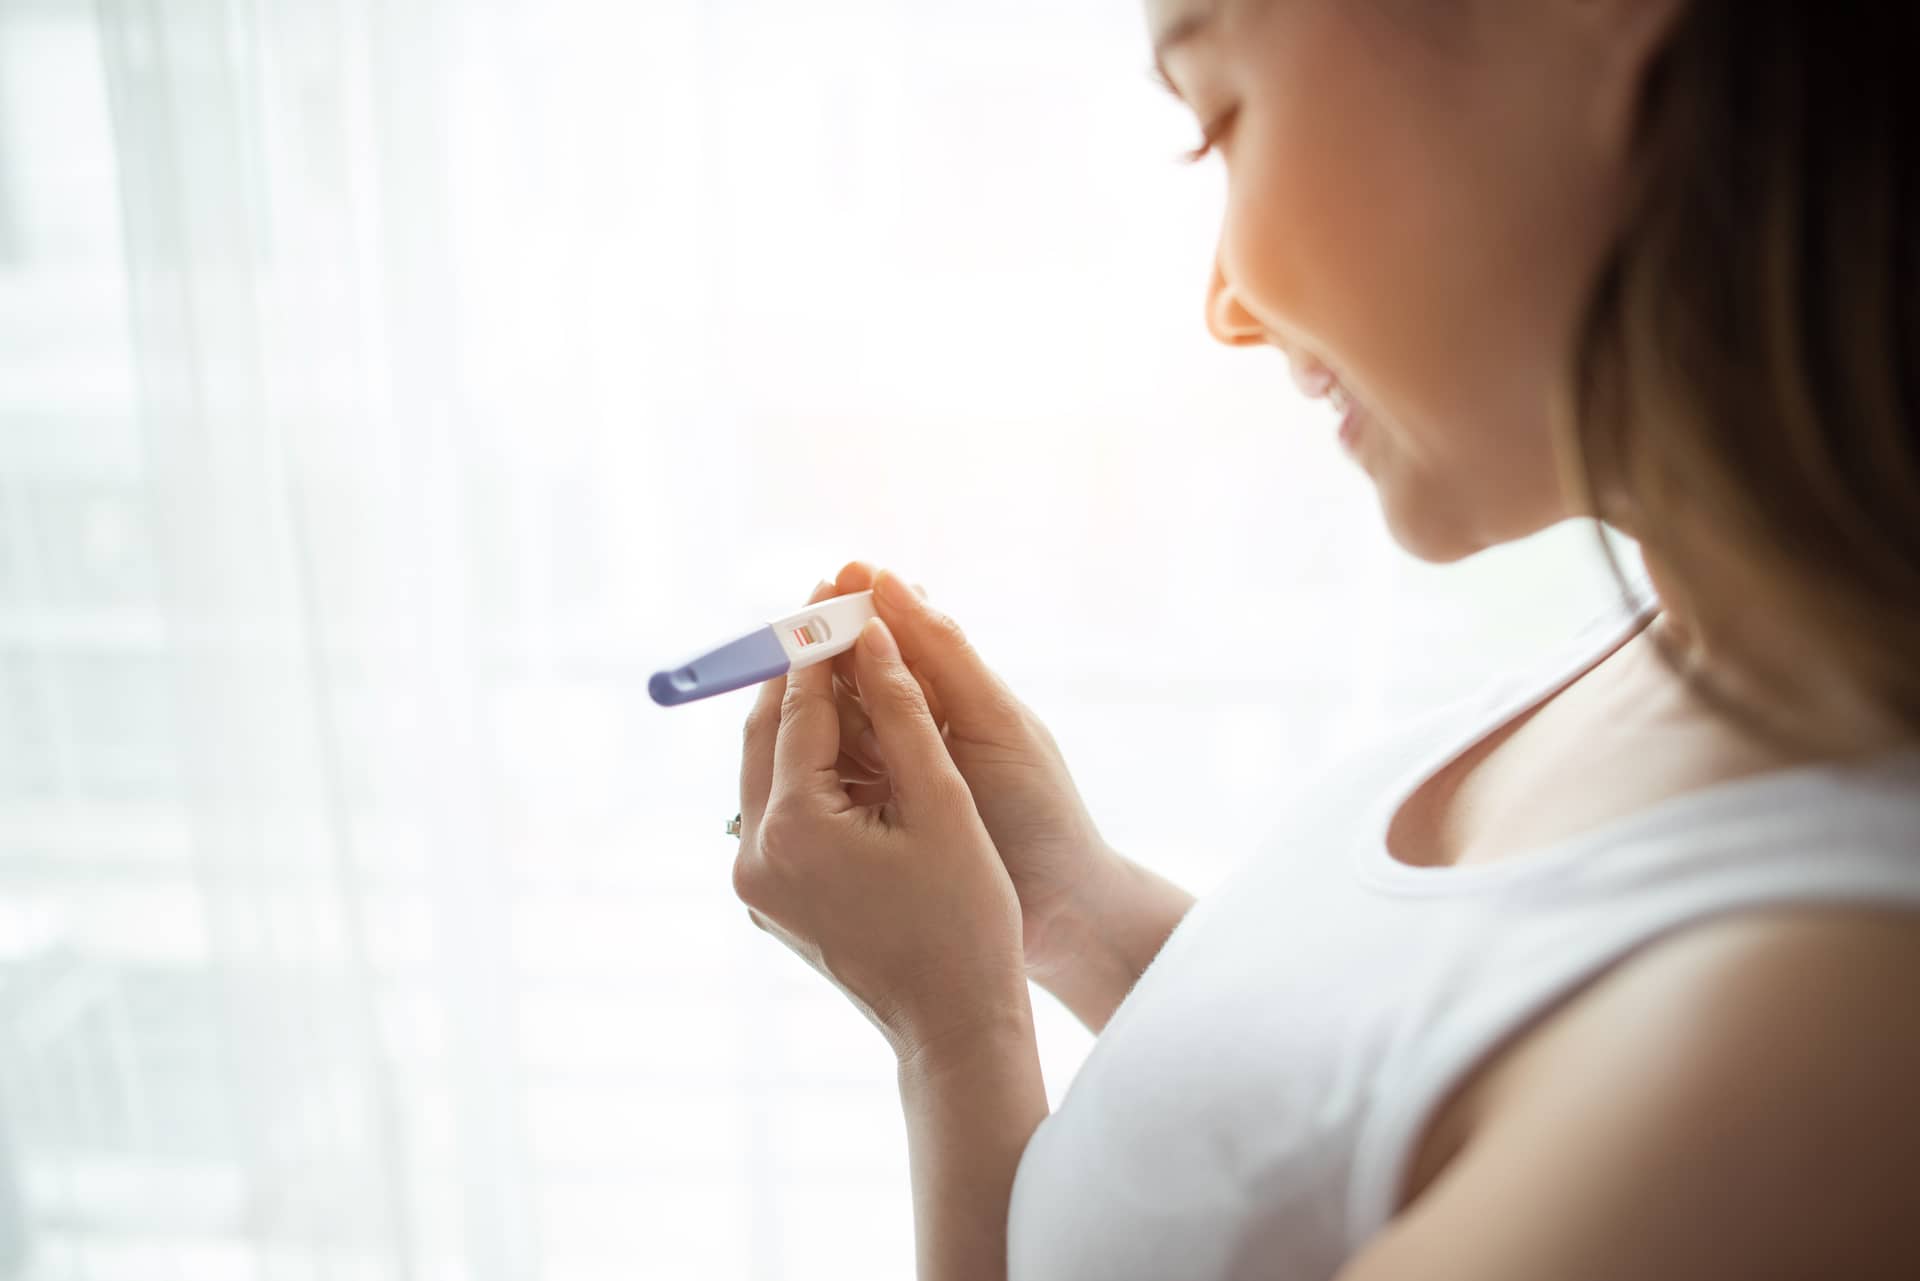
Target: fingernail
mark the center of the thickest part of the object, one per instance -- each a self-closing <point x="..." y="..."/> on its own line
<point x="880" y="640"/>
<point x="893" y="591"/>
<point x="869" y="746"/>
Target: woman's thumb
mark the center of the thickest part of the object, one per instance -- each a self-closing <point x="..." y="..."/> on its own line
<point x="918" y="766"/>
<point x="972" y="697"/>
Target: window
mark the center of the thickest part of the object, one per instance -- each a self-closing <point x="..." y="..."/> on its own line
<point x="385" y="391"/>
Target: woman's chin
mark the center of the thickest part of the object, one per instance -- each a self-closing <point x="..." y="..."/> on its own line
<point x="1441" y="516"/>
<point x="1436" y="537"/>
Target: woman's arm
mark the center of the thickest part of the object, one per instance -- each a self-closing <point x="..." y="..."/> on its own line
<point x="970" y="1109"/>
<point x="1116" y="928"/>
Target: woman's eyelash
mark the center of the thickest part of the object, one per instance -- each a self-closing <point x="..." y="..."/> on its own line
<point x="1210" y="137"/>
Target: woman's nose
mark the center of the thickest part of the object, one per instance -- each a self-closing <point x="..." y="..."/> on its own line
<point x="1227" y="320"/>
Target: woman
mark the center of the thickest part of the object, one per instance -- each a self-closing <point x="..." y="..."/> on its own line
<point x="1608" y="973"/>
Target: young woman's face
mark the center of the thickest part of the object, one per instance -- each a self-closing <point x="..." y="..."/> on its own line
<point x="1419" y="194"/>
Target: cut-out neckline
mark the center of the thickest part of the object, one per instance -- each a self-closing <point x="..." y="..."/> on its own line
<point x="1804" y="784"/>
<point x="1508" y="716"/>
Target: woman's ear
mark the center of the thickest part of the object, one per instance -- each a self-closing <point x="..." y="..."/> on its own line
<point x="1626" y="36"/>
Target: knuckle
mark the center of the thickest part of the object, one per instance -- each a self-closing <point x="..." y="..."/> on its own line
<point x="949" y="631"/>
<point x="996" y="708"/>
<point x="953" y="638"/>
<point x="798" y="696"/>
<point x="948" y="792"/>
<point x="904" y="681"/>
<point x="853" y="723"/>
<point x="778" y="835"/>
<point x="796" y="691"/>
<point x="746" y="881"/>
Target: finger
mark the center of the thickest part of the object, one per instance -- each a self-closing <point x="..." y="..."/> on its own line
<point x="964" y="692"/>
<point x="870" y="794"/>
<point x="919" y="769"/>
<point x="857" y="742"/>
<point x="855" y="769"/>
<point x="853" y="715"/>
<point x="854" y="721"/>
<point x="932" y="691"/>
<point x="926" y="683"/>
<point x="854" y="576"/>
<point x="762" y="728"/>
<point x="860" y="761"/>
<point x="860" y="756"/>
<point x="858" y="576"/>
<point x="806" y="747"/>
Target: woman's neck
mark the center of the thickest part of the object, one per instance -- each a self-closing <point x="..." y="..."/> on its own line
<point x="1755" y="657"/>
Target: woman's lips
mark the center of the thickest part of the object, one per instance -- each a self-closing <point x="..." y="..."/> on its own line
<point x="1350" y="428"/>
<point x="1317" y="381"/>
<point x="1312" y="378"/>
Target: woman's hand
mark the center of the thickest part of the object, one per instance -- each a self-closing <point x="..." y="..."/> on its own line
<point x="1054" y="854"/>
<point x="904" y="905"/>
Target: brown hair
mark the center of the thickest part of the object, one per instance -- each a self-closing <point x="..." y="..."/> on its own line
<point x="1749" y="363"/>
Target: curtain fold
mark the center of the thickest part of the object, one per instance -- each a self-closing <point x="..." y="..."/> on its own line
<point x="386" y="389"/>
<point x="311" y="1150"/>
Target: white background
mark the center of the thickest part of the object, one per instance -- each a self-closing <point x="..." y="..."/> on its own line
<point x="386" y="389"/>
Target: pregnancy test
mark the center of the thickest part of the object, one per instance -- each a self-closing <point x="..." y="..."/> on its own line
<point x="817" y="632"/>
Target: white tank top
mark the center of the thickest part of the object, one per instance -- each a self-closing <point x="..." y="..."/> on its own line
<point x="1252" y="1107"/>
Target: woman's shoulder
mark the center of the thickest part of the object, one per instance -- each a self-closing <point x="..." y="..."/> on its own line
<point x="1753" y="995"/>
<point x="1741" y="1092"/>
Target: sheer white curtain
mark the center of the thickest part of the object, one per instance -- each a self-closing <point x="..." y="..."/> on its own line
<point x="386" y="389"/>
